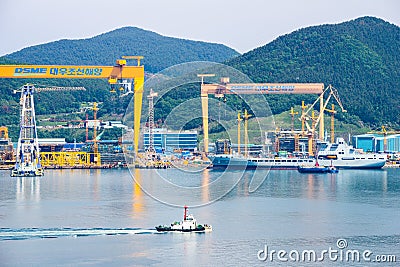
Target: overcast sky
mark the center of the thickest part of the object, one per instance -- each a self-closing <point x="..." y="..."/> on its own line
<point x="240" y="24"/>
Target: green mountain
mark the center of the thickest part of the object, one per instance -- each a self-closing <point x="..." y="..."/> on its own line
<point x="361" y="58"/>
<point x="159" y="51"/>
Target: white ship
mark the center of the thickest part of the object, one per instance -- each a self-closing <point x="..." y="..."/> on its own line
<point x="339" y="155"/>
<point x="342" y="155"/>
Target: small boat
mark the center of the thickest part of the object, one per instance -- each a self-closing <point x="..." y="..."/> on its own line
<point x="332" y="169"/>
<point x="317" y="168"/>
<point x="313" y="169"/>
<point x="189" y="224"/>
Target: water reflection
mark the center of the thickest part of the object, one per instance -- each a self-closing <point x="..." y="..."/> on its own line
<point x="137" y="197"/>
<point x="28" y="188"/>
<point x="205" y="183"/>
<point x="384" y="182"/>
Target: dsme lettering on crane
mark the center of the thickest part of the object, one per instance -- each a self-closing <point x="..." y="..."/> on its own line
<point x="19" y="71"/>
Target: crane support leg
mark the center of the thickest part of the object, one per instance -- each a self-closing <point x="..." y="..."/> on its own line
<point x="204" y="108"/>
<point x="138" y="96"/>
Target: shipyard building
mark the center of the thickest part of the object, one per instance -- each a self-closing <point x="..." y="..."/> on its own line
<point x="171" y="140"/>
<point x="376" y="142"/>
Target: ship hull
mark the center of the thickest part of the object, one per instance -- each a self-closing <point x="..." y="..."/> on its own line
<point x="232" y="162"/>
<point x="354" y="164"/>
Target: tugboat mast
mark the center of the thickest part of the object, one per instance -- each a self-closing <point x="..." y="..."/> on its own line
<point x="185" y="213"/>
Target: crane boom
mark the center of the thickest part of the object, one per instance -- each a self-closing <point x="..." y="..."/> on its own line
<point x="263" y="88"/>
<point x="69" y="72"/>
<point x="60" y="88"/>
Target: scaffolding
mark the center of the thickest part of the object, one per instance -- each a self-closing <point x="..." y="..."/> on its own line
<point x="69" y="159"/>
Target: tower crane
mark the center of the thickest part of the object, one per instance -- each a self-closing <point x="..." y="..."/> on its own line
<point x="239" y="119"/>
<point x="226" y="88"/>
<point x="303" y="118"/>
<point x="95" y="145"/>
<point x="332" y="111"/>
<point x="28" y="158"/>
<point x="246" y="117"/>
<point x="292" y="113"/>
<point x="116" y="75"/>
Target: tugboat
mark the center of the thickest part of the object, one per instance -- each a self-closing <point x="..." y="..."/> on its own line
<point x="317" y="169"/>
<point x="189" y="224"/>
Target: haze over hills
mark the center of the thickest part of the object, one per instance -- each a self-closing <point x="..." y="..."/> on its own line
<point x="159" y="51"/>
<point x="361" y="58"/>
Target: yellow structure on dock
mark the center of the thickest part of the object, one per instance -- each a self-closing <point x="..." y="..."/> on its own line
<point x="70" y="159"/>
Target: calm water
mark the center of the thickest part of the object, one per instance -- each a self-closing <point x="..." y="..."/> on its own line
<point x="103" y="218"/>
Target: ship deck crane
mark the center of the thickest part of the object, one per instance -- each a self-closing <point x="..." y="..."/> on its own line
<point x="116" y="75"/>
<point x="320" y="118"/>
<point x="332" y="92"/>
<point x="226" y="88"/>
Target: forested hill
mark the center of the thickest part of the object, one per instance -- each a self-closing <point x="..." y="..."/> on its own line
<point x="159" y="51"/>
<point x="361" y="58"/>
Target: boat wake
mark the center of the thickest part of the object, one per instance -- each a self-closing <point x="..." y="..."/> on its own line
<point x="32" y="233"/>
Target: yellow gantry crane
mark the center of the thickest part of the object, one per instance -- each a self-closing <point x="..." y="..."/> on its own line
<point x="115" y="75"/>
<point x="226" y="88"/>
